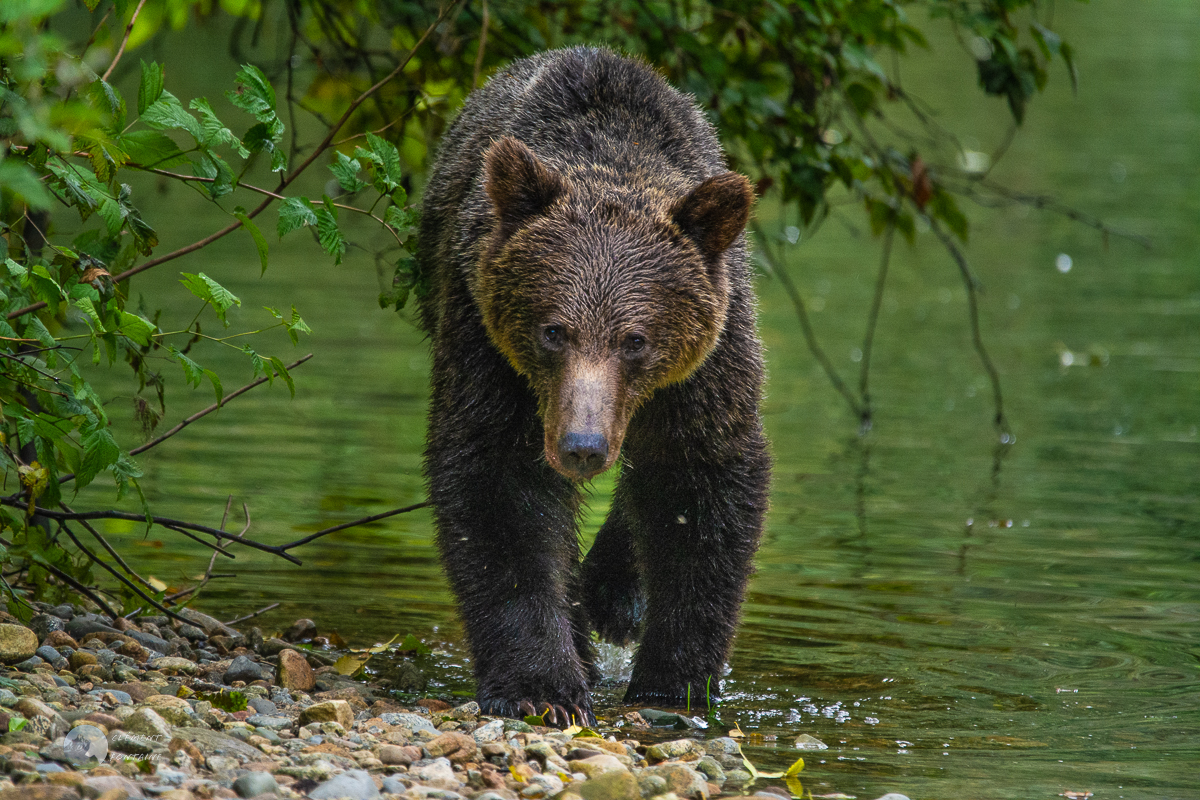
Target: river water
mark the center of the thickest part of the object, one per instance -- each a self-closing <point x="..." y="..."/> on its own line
<point x="953" y="616"/>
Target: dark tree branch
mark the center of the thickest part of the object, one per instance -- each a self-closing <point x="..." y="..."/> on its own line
<point x="363" y="521"/>
<point x="872" y="320"/>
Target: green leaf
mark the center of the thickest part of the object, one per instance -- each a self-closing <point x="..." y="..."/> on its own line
<point x="100" y="451"/>
<point x="346" y="171"/>
<point x="387" y="160"/>
<point x="192" y="371"/>
<point x="328" y="233"/>
<point x="210" y="165"/>
<point x="151" y="149"/>
<point x="281" y="369"/>
<point x="259" y="364"/>
<point x="216" y="384"/>
<point x="136" y="328"/>
<point x="210" y="292"/>
<point x="21" y="180"/>
<point x="295" y="212"/>
<point x="213" y="131"/>
<point x="266" y="136"/>
<point x="151" y="86"/>
<point x="296" y="327"/>
<point x="260" y="241"/>
<point x="167" y="113"/>
<point x="254" y="93"/>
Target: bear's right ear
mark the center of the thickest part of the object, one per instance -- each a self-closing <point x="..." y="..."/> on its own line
<point x="715" y="212"/>
<point x="518" y="183"/>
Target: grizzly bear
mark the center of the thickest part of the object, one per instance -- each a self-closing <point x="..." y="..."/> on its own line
<point x="589" y="299"/>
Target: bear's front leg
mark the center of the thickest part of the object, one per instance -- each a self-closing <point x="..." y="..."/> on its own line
<point x="507" y="535"/>
<point x="696" y="527"/>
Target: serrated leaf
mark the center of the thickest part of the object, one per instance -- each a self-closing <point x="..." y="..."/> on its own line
<point x="296" y="326"/>
<point x="260" y="242"/>
<point x="281" y="369"/>
<point x="212" y="166"/>
<point x="295" y="212"/>
<point x="192" y="371"/>
<point x="387" y="159"/>
<point x="100" y="451"/>
<point x="215" y="380"/>
<point x="136" y="328"/>
<point x="151" y="149"/>
<point x="151" y="86"/>
<point x="259" y="364"/>
<point x="254" y="93"/>
<point x="167" y="113"/>
<point x="346" y="170"/>
<point x="328" y="233"/>
<point x="266" y="136"/>
<point x="213" y="131"/>
<point x="210" y="292"/>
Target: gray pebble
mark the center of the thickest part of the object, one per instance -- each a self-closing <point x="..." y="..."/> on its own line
<point x="242" y="669"/>
<point x="393" y="785"/>
<point x="265" y="721"/>
<point x="28" y="664"/>
<point x="262" y="705"/>
<point x="253" y="784"/>
<point x="49" y="653"/>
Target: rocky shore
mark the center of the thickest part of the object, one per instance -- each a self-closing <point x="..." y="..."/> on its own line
<point x="92" y="707"/>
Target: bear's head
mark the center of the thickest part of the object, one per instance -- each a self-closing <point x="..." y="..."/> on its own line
<point x="601" y="288"/>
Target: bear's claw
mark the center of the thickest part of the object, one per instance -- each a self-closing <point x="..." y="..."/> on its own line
<point x="553" y="714"/>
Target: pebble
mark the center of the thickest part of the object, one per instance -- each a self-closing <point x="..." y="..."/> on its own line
<point x="253" y="784"/>
<point x="243" y="669"/>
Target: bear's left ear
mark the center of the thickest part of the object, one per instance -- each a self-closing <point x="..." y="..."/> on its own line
<point x="715" y="212"/>
<point x="518" y="183"/>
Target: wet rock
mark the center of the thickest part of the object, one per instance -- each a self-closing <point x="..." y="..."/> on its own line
<point x="301" y="630"/>
<point x="652" y="785"/>
<point x="393" y="785"/>
<point x="243" y="669"/>
<point x="269" y="722"/>
<point x="48" y="653"/>
<point x="892" y="796"/>
<point x="737" y="777"/>
<point x="724" y="745"/>
<point x="330" y="711"/>
<point x="711" y="769"/>
<point x="609" y="786"/>
<point x="677" y="748"/>
<point x="151" y="642"/>
<point x="210" y="625"/>
<point x="28" y="664"/>
<point x="806" y="742"/>
<point x="81" y="658"/>
<point x="667" y="719"/>
<point x="253" y="784"/>
<point x="97" y="786"/>
<point x="17" y="643"/>
<point x="465" y="711"/>
<point x="293" y="672"/>
<point x="408" y="677"/>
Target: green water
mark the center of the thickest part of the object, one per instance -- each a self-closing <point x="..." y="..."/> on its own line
<point x="952" y="616"/>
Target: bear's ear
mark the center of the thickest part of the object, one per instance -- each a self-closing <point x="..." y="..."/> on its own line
<point x="715" y="212"/>
<point x="518" y="183"/>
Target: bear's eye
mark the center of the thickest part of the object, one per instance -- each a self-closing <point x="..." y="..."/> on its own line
<point x="634" y="344"/>
<point x="553" y="337"/>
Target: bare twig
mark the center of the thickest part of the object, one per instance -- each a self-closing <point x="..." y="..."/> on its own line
<point x="263" y="610"/>
<point x="166" y="522"/>
<point x="79" y="587"/>
<point x="124" y="41"/>
<point x="362" y="521"/>
<point x="972" y="287"/>
<point x="95" y="559"/>
<point x="810" y="336"/>
<point x="872" y="320"/>
<point x="109" y="548"/>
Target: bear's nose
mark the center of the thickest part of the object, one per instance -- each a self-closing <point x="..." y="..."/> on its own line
<point x="583" y="454"/>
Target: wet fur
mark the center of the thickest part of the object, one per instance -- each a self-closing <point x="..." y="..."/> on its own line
<point x="578" y="187"/>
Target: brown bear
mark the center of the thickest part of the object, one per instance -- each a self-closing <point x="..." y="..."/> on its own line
<point x="589" y="299"/>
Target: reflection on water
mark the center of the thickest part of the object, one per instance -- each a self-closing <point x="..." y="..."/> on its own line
<point x="954" y="617"/>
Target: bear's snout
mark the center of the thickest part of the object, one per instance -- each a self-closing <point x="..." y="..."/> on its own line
<point x="583" y="455"/>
